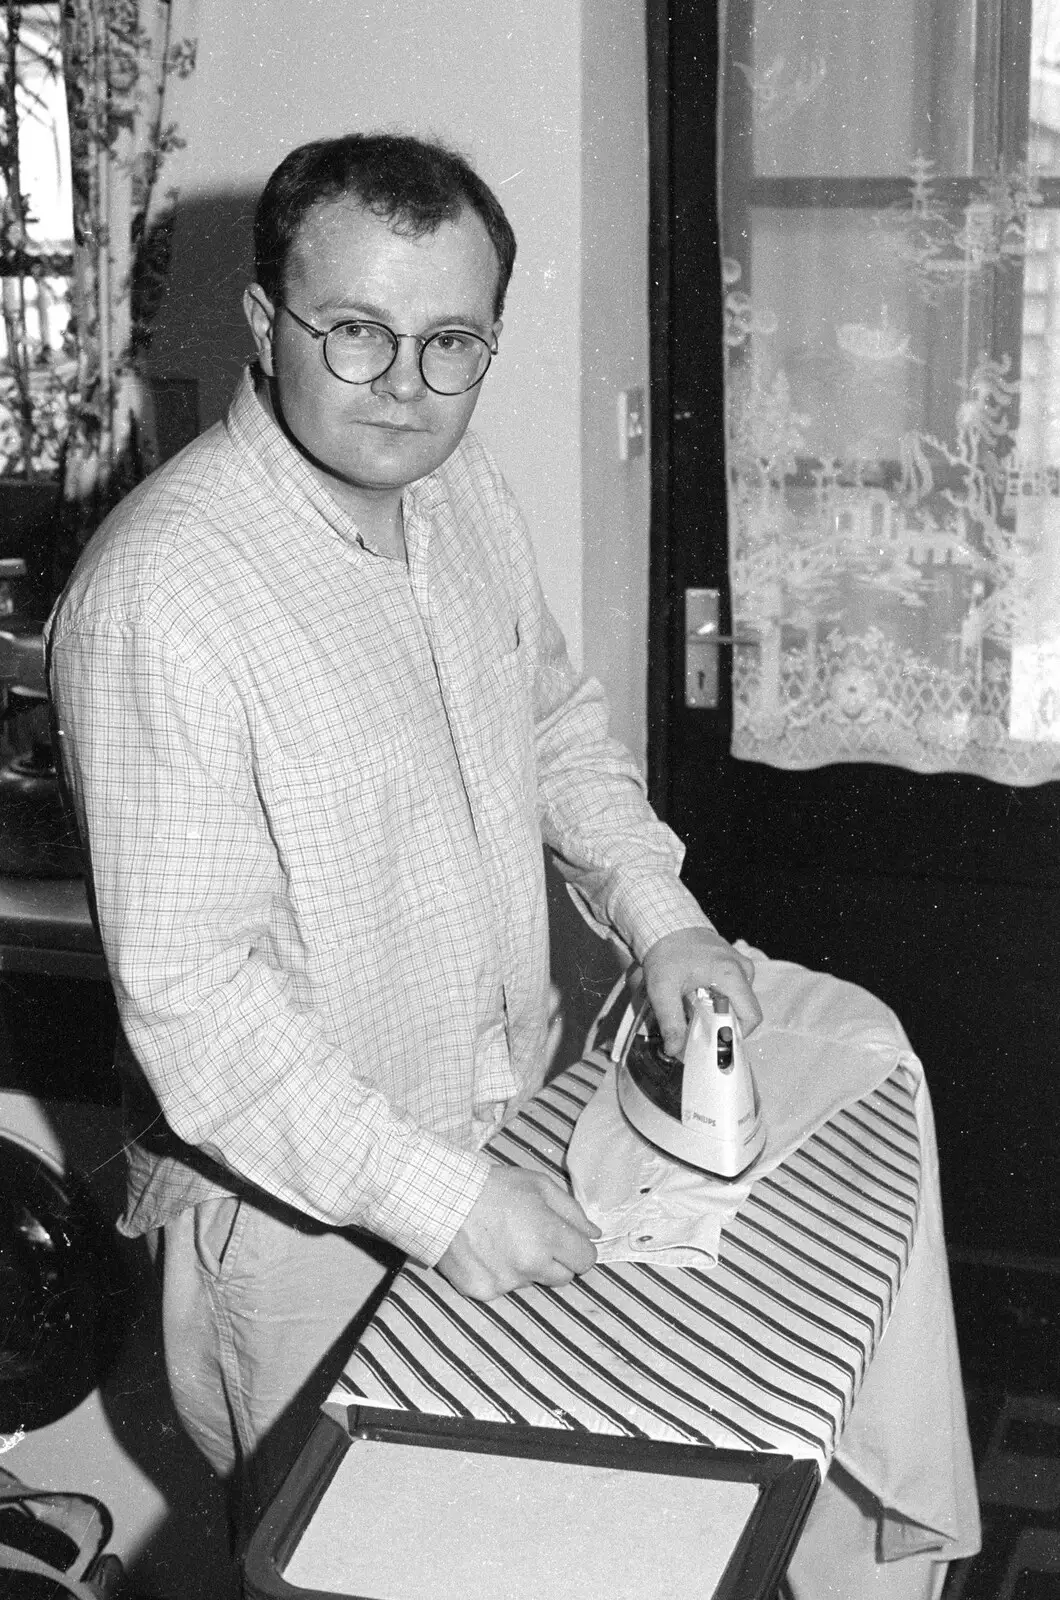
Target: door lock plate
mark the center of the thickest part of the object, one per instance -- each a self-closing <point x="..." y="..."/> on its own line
<point x="702" y="642"/>
<point x="702" y="610"/>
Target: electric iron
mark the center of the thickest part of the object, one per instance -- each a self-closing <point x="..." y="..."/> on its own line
<point x="702" y="1106"/>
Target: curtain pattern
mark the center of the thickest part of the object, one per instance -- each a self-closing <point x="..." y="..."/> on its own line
<point x="891" y="274"/>
<point x="127" y="66"/>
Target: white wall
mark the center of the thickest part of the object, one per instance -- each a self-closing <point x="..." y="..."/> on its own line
<point x="614" y="338"/>
<point x="548" y="100"/>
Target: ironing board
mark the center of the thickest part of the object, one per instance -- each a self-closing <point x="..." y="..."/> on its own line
<point x="765" y="1352"/>
<point x="751" y="1367"/>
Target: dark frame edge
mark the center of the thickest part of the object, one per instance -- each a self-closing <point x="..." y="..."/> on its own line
<point x="755" y="1567"/>
<point x="289" y="1514"/>
<point x="657" y="21"/>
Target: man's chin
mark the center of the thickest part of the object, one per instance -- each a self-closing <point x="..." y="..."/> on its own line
<point x="391" y="458"/>
<point x="378" y="471"/>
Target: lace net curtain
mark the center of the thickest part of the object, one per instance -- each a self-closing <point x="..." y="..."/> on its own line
<point x="890" y="203"/>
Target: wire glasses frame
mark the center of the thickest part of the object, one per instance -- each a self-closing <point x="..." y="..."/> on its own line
<point x="361" y="351"/>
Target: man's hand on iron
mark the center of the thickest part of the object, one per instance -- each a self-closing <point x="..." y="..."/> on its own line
<point x="523" y="1228"/>
<point x="696" y="958"/>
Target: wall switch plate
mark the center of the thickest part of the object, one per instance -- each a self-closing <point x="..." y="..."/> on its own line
<point x="632" y="424"/>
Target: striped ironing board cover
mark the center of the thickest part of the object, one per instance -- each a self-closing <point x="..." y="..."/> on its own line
<point x="766" y="1351"/>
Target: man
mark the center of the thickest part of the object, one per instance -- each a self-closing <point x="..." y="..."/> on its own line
<point x="317" y="721"/>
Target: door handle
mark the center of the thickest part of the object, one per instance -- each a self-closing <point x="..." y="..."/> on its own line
<point x="702" y="639"/>
<point x="705" y="636"/>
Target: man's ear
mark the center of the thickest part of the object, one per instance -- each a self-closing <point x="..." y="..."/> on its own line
<point x="261" y="315"/>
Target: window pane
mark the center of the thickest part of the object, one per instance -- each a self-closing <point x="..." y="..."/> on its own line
<point x="43" y="134"/>
<point x="1040" y="360"/>
<point x="837" y="91"/>
<point x="37" y="367"/>
<point x="1043" y="145"/>
<point x="835" y="313"/>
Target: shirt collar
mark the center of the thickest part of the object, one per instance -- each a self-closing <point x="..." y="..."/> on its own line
<point x="254" y="431"/>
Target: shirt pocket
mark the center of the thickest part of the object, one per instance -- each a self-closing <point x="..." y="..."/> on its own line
<point x="365" y="850"/>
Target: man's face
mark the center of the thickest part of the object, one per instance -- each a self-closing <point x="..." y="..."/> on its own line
<point x="369" y="440"/>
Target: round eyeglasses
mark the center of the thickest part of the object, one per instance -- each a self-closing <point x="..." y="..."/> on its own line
<point x="451" y="361"/>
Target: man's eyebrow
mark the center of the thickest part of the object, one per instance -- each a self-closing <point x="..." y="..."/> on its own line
<point x="352" y="309"/>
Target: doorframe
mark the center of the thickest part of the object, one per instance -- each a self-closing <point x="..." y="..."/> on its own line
<point x="660" y="644"/>
<point x="688" y="486"/>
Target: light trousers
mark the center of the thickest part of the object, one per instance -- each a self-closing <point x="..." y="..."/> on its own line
<point x="260" y="1309"/>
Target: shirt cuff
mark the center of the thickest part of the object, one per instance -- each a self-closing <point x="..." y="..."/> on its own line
<point x="641" y="913"/>
<point x="425" y="1209"/>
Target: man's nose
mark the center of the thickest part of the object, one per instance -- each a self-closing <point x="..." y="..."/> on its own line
<point x="403" y="378"/>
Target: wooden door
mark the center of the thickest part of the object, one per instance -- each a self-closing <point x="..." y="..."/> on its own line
<point x="940" y="893"/>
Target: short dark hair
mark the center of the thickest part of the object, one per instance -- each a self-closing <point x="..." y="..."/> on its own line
<point x="412" y="184"/>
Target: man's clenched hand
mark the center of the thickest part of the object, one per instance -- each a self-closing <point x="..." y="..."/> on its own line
<point x="523" y="1228"/>
<point x="696" y="958"/>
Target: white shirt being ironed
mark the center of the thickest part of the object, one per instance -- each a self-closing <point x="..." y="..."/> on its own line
<point x="313" y="786"/>
<point x="823" y="1044"/>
